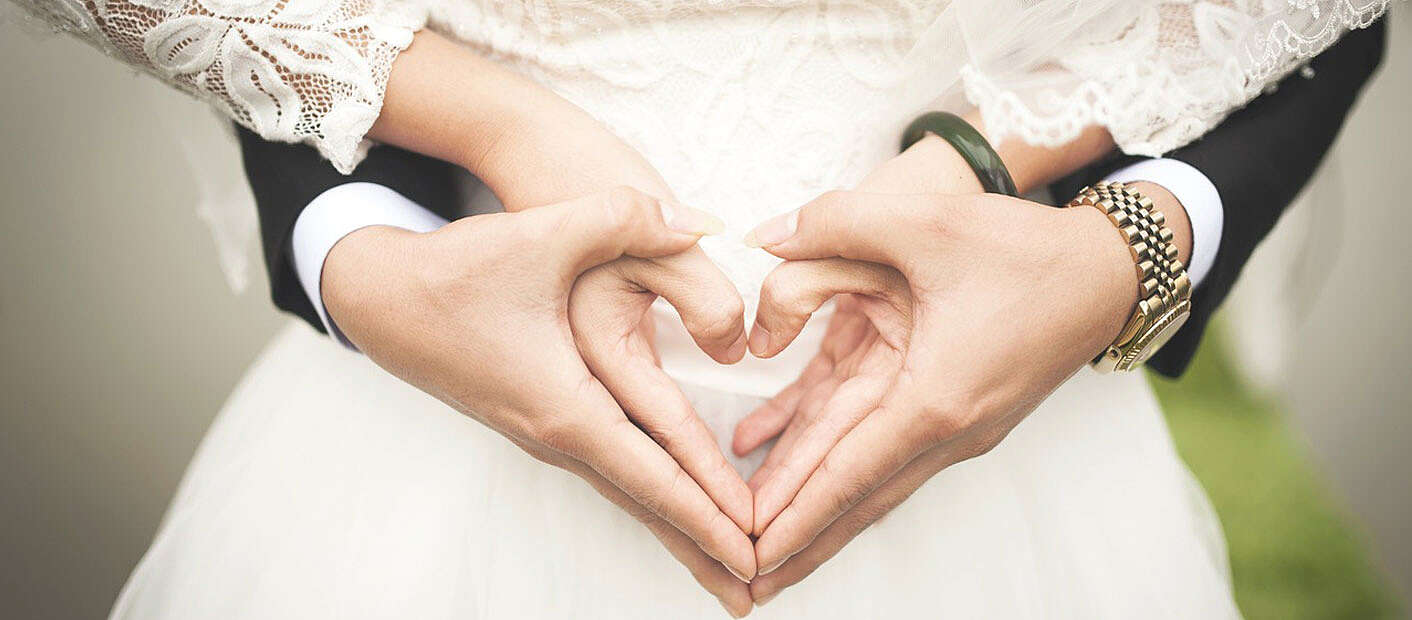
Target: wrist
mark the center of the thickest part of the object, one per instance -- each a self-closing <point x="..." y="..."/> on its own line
<point x="1033" y="166"/>
<point x="355" y="279"/>
<point x="1164" y="202"/>
<point x="932" y="166"/>
<point x="1163" y="295"/>
<point x="1110" y="276"/>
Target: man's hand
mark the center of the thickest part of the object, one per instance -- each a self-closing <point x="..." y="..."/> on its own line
<point x="477" y="314"/>
<point x="982" y="305"/>
<point x="931" y="166"/>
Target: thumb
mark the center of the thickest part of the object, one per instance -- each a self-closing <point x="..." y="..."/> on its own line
<point x="597" y="228"/>
<point x="856" y="225"/>
<point x="796" y="289"/>
<point x="709" y="305"/>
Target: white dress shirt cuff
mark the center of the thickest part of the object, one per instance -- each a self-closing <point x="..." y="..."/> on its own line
<point x="342" y="210"/>
<point x="1198" y="196"/>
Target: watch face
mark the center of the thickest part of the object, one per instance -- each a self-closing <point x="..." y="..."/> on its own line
<point x="1163" y="331"/>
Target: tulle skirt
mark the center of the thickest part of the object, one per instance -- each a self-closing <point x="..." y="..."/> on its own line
<point x="328" y="489"/>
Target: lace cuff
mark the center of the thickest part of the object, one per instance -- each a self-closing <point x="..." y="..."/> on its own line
<point x="311" y="71"/>
<point x="1157" y="76"/>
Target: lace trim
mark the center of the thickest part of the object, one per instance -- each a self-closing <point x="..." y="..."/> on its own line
<point x="1149" y="106"/>
<point x="308" y="71"/>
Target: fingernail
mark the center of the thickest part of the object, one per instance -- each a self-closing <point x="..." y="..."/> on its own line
<point x="759" y="339"/>
<point x="773" y="231"/>
<point x="737" y="574"/>
<point x="684" y="219"/>
<point x="760" y="602"/>
<point x="737" y="350"/>
<point x="771" y="568"/>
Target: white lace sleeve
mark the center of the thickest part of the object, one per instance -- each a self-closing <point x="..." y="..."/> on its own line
<point x="291" y="70"/>
<point x="1156" y="73"/>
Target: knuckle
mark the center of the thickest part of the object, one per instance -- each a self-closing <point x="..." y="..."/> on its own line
<point x="717" y="531"/>
<point x="657" y="501"/>
<point x="861" y="518"/>
<point x="944" y="418"/>
<point x="987" y="441"/>
<point x="784" y="290"/>
<point x="652" y="502"/>
<point x="669" y="436"/>
<point x="721" y="321"/>
<point x="850" y="476"/>
<point x="557" y="433"/>
<point x="626" y="205"/>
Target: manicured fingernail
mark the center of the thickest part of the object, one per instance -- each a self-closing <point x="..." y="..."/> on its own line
<point x="773" y="231"/>
<point x="759" y="339"/>
<point x="771" y="568"/>
<point x="760" y="602"/>
<point x="737" y="574"/>
<point x="684" y="219"/>
<point x="737" y="350"/>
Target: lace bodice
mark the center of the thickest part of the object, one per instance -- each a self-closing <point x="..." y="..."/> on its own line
<point x="747" y="107"/>
<point x="1158" y="73"/>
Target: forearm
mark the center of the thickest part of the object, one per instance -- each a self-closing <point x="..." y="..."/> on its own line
<point x="527" y="144"/>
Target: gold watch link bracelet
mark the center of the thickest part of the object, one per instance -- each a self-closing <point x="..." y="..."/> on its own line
<point x="1164" y="290"/>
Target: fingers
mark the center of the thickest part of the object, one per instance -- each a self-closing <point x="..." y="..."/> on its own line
<point x="605" y="312"/>
<point x="733" y="593"/>
<point x="809" y="405"/>
<point x="881" y="445"/>
<point x="622" y="454"/>
<point x="769" y="420"/>
<point x="709" y="304"/>
<point x="594" y="229"/>
<point x="796" y="289"/>
<point x="651" y="399"/>
<point x="853" y="400"/>
<point x="857" y="225"/>
<point x="844" y="529"/>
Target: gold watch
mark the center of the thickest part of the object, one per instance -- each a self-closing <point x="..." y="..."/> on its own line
<point x="1164" y="290"/>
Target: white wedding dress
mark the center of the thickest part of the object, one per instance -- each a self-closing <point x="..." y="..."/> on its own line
<point x="328" y="489"/>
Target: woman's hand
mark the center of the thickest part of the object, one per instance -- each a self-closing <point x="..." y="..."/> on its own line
<point x="532" y="147"/>
<point x="983" y="305"/>
<point x="477" y="314"/>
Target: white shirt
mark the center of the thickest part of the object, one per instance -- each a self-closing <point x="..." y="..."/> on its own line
<point x="341" y="210"/>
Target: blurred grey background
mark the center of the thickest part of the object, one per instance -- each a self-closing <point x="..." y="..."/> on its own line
<point x="120" y="337"/>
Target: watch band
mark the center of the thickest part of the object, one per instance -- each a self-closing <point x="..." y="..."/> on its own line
<point x="973" y="147"/>
<point x="1164" y="290"/>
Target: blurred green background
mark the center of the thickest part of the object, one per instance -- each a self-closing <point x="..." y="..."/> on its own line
<point x="1295" y="551"/>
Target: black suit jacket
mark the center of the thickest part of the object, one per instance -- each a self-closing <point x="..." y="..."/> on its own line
<point x="1258" y="159"/>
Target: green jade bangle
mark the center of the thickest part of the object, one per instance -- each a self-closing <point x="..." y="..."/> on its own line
<point x="972" y="146"/>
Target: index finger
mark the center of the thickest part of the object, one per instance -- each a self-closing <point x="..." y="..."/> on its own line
<point x="629" y="459"/>
<point x="730" y="591"/>
<point x="877" y="448"/>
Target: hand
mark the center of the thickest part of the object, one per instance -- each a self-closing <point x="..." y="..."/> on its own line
<point x="930" y="166"/>
<point x="527" y="145"/>
<point x="469" y="312"/>
<point x="608" y="315"/>
<point x="983" y="305"/>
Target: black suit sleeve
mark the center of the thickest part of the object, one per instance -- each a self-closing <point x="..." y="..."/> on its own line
<point x="286" y="177"/>
<point x="1259" y="159"/>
